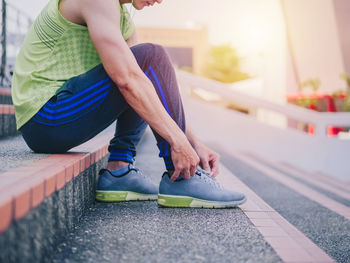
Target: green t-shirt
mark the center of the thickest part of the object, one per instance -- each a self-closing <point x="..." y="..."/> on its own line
<point x="53" y="51"/>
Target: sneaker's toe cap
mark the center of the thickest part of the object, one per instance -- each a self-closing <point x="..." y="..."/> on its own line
<point x="236" y="196"/>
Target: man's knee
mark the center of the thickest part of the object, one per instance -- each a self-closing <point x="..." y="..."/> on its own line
<point x="158" y="50"/>
<point x="150" y="52"/>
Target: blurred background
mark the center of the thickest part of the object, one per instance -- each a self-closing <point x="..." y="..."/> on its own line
<point x="278" y="61"/>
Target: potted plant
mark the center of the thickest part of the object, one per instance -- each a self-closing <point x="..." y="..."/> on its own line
<point x="309" y="102"/>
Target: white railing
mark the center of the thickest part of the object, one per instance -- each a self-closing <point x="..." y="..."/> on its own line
<point x="320" y="120"/>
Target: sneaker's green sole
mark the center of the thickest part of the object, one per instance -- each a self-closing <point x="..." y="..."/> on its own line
<point x="120" y="196"/>
<point x="186" y="201"/>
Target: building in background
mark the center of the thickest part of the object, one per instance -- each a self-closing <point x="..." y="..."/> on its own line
<point x="319" y="40"/>
<point x="342" y="15"/>
<point x="187" y="47"/>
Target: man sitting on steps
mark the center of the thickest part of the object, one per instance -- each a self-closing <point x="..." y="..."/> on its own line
<point x="79" y="70"/>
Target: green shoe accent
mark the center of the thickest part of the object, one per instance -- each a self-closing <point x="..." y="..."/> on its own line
<point x="120" y="196"/>
<point x="186" y="201"/>
<point x="171" y="201"/>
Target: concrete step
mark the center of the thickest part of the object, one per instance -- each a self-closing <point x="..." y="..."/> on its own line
<point x="7" y="121"/>
<point x="7" y="114"/>
<point x="322" y="219"/>
<point x="5" y="96"/>
<point x="42" y="199"/>
<point x="319" y="176"/>
<point x="330" y="188"/>
<point x="15" y="153"/>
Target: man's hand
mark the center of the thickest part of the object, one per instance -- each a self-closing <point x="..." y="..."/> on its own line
<point x="185" y="160"/>
<point x="209" y="160"/>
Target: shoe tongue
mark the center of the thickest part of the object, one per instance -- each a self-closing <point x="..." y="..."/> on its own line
<point x="121" y="171"/>
<point x="201" y="172"/>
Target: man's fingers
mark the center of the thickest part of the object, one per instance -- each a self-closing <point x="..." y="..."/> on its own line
<point x="175" y="175"/>
<point x="214" y="167"/>
<point x="193" y="170"/>
<point x="186" y="174"/>
<point x="205" y="165"/>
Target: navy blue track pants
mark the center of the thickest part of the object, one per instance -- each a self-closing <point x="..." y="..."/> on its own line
<point x="87" y="104"/>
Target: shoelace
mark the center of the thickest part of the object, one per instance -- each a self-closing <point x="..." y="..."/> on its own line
<point x="204" y="175"/>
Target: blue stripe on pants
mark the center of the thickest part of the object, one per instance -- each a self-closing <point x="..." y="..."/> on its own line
<point x="165" y="104"/>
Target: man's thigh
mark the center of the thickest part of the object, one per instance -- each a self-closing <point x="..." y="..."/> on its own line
<point x="82" y="107"/>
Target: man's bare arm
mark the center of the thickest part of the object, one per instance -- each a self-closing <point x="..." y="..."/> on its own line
<point x="102" y="18"/>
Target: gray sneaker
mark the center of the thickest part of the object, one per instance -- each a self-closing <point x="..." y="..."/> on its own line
<point x="128" y="186"/>
<point x="201" y="191"/>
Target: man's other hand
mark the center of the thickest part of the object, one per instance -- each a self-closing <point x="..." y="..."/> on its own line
<point x="209" y="160"/>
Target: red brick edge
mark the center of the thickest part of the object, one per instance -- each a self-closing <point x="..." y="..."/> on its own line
<point x="5" y="91"/>
<point x="24" y="188"/>
<point x="6" y="109"/>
